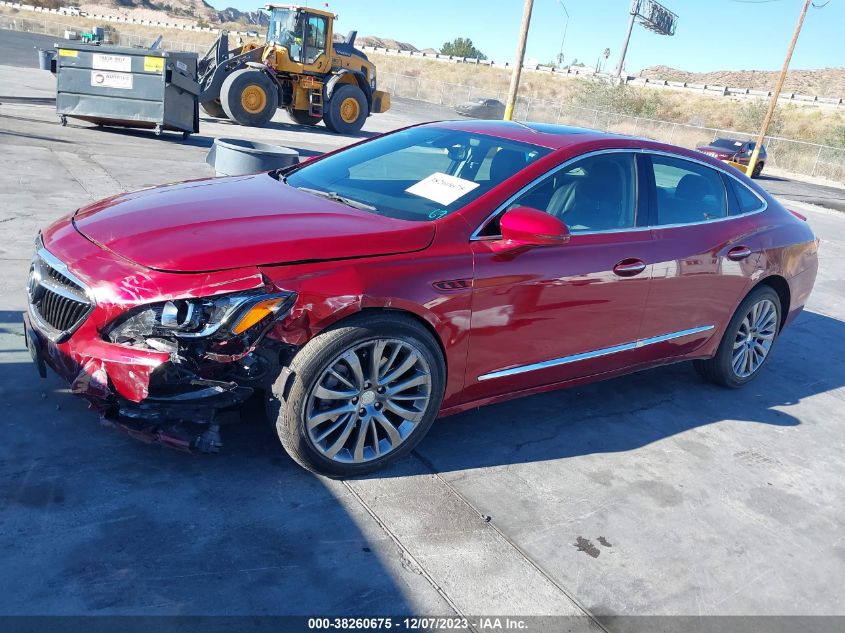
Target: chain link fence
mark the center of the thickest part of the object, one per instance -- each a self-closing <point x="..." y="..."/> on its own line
<point x="799" y="157"/>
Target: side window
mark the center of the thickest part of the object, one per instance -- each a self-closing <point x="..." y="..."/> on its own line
<point x="315" y="38"/>
<point x="598" y="193"/>
<point x="687" y="192"/>
<point x="746" y="199"/>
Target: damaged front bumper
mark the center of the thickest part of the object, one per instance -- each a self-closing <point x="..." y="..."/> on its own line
<point x="131" y="390"/>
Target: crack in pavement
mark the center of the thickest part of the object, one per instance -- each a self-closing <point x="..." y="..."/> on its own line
<point x="521" y="552"/>
<point x="408" y="560"/>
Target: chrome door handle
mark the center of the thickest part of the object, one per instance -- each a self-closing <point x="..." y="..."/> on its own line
<point x="739" y="253"/>
<point x="629" y="267"/>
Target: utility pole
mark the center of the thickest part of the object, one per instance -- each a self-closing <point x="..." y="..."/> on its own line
<point x="774" y="102"/>
<point x="563" y="39"/>
<point x="520" y="56"/>
<point x="635" y="6"/>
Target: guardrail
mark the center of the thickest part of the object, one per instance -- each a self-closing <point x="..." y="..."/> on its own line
<point x="799" y="157"/>
<point x="713" y="89"/>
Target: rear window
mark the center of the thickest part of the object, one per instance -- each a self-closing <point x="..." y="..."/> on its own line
<point x="746" y="199"/>
<point x="727" y="143"/>
<point x="418" y="174"/>
<point x="687" y="192"/>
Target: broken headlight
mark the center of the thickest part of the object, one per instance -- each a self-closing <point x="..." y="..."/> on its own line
<point x="241" y="316"/>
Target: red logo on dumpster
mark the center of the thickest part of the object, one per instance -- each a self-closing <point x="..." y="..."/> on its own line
<point x="99" y="78"/>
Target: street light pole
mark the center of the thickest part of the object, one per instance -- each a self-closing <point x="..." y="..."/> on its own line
<point x="520" y="56"/>
<point x="778" y="86"/>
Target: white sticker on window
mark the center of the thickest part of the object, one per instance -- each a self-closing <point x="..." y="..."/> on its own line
<point x="442" y="188"/>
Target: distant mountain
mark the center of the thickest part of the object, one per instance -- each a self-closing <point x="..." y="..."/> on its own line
<point x="181" y="10"/>
<point x="822" y="82"/>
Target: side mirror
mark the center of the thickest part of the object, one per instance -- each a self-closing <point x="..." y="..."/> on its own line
<point x="532" y="227"/>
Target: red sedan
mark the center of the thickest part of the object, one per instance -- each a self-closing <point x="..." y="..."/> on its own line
<point x="431" y="270"/>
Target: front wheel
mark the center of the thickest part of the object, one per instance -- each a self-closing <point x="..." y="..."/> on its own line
<point x="347" y="110"/>
<point x="747" y="341"/>
<point x="249" y="97"/>
<point x="758" y="169"/>
<point x="362" y="394"/>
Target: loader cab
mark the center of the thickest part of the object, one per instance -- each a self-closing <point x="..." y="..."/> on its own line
<point x="305" y="33"/>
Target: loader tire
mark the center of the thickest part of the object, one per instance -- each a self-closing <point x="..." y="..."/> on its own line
<point x="214" y="109"/>
<point x="303" y="118"/>
<point x="249" y="97"/>
<point x="347" y="110"/>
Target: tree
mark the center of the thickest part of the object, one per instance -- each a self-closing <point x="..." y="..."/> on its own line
<point x="462" y="47"/>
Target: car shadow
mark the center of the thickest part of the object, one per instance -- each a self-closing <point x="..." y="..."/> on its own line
<point x="617" y="415"/>
<point x="627" y="413"/>
<point x="97" y="523"/>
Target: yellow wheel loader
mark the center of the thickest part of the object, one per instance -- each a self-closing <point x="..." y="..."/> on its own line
<point x="299" y="68"/>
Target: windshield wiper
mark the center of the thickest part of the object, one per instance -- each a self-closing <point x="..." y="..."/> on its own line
<point x="331" y="195"/>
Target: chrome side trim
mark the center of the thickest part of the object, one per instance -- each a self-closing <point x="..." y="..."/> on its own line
<point x="475" y="237"/>
<point x="605" y="351"/>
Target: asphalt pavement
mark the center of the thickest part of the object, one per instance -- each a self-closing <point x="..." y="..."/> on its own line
<point x="652" y="494"/>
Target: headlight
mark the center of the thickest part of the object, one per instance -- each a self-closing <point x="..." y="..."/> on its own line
<point x="228" y="316"/>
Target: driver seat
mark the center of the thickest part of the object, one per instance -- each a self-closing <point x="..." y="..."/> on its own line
<point x="594" y="202"/>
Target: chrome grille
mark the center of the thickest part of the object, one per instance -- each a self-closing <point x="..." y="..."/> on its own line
<point x="58" y="302"/>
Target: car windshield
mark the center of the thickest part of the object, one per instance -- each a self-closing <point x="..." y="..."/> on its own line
<point x="727" y="143"/>
<point x="420" y="174"/>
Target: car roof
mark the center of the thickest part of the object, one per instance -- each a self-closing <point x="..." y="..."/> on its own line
<point x="543" y="134"/>
<point x="566" y="139"/>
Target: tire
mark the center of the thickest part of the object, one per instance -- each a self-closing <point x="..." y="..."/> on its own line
<point x="333" y="446"/>
<point x="758" y="169"/>
<point x="213" y="108"/>
<point x="303" y="118"/>
<point x="721" y="369"/>
<point x="249" y="97"/>
<point x="347" y="110"/>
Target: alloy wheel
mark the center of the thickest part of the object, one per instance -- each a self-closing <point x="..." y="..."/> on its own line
<point x="754" y="338"/>
<point x="368" y="401"/>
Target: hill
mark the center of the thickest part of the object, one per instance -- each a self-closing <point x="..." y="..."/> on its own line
<point x="824" y="82"/>
<point x="187" y="11"/>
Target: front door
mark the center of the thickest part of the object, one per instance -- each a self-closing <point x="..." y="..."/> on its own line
<point x="547" y="314"/>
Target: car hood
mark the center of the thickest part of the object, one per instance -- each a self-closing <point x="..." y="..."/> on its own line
<point x="223" y="223"/>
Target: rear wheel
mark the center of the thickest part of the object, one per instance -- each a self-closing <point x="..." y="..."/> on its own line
<point x="362" y="394"/>
<point x="214" y="108"/>
<point x="347" y="110"/>
<point x="747" y="341"/>
<point x="303" y="118"/>
<point x="758" y="169"/>
<point x="249" y="97"/>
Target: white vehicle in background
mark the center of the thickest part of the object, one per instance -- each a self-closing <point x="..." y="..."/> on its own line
<point x="72" y="11"/>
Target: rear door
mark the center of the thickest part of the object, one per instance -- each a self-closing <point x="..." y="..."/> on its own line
<point x="704" y="258"/>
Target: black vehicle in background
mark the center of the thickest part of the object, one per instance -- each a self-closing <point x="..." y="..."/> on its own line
<point x="481" y="108"/>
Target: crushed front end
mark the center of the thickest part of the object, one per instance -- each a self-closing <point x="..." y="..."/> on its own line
<point x="160" y="356"/>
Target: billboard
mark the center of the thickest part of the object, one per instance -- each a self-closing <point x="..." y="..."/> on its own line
<point x="655" y="17"/>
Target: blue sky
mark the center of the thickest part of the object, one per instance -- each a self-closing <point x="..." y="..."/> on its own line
<point x="711" y="34"/>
